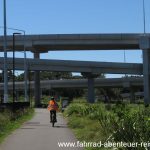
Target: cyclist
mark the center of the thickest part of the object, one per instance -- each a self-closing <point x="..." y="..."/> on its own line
<point x="52" y="107"/>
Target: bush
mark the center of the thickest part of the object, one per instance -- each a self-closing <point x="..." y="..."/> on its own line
<point x="78" y="109"/>
<point x="4" y="120"/>
<point x="133" y="127"/>
<point x="117" y="123"/>
<point x="130" y="123"/>
<point x="45" y="100"/>
<point x="8" y="117"/>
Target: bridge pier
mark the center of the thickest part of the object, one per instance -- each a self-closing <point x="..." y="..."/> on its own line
<point x="91" y="90"/>
<point x="41" y="93"/>
<point x="146" y="74"/>
<point x="91" y="93"/>
<point x="145" y="46"/>
<point x="37" y="93"/>
<point x="132" y="94"/>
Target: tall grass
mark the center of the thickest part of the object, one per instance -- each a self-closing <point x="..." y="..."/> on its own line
<point x="115" y="123"/>
<point x="10" y="121"/>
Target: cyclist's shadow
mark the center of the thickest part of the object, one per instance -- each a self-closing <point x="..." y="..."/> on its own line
<point x="60" y="126"/>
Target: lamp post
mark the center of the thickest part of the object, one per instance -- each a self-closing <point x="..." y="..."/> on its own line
<point x="25" y="62"/>
<point x="5" y="56"/>
<point x="144" y="23"/>
<point x="25" y="65"/>
<point x="25" y="70"/>
<point x="14" y="65"/>
<point x="144" y="17"/>
<point x="124" y="56"/>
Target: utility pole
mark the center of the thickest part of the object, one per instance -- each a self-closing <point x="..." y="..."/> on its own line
<point x="5" y="56"/>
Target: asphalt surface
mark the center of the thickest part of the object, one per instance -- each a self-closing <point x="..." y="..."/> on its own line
<point x="38" y="134"/>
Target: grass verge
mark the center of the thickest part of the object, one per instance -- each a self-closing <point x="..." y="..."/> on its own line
<point x="127" y="123"/>
<point x="11" y="122"/>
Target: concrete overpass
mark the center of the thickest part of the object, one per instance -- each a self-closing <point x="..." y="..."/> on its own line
<point x="49" y="42"/>
<point x="88" y="68"/>
<point x="126" y="82"/>
<point x="44" y="43"/>
<point x="75" y="66"/>
<point x="130" y="83"/>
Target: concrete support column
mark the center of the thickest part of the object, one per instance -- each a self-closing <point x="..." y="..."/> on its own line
<point x="37" y="93"/>
<point x="146" y="74"/>
<point x="17" y="96"/>
<point x="41" y="93"/>
<point x="132" y="95"/>
<point x="145" y="46"/>
<point x="91" y="90"/>
<point x="91" y="93"/>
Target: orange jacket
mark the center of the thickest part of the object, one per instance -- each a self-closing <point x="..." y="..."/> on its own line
<point x="52" y="105"/>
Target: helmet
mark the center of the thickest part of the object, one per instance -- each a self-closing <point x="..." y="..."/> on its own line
<point x="52" y="98"/>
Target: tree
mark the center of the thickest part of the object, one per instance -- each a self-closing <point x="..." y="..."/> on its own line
<point x="46" y="75"/>
<point x="93" y="75"/>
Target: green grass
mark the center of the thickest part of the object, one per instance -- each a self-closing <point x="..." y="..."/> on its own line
<point x="86" y="129"/>
<point x="9" y="124"/>
<point x="82" y="121"/>
<point x="118" y="122"/>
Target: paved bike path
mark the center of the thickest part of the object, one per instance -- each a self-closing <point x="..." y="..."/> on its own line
<point x="38" y="134"/>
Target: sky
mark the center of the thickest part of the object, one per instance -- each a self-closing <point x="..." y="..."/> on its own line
<point x="79" y="16"/>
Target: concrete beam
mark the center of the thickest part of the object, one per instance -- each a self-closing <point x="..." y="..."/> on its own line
<point x="81" y="83"/>
<point x="51" y="42"/>
<point x="76" y="66"/>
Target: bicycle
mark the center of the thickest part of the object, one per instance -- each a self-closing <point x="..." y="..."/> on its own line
<point x="53" y="121"/>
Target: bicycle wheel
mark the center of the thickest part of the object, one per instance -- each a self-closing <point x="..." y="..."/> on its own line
<point x="53" y="120"/>
<point x="53" y="124"/>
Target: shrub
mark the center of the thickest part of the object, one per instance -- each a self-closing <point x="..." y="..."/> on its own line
<point x="7" y="116"/>
<point x="117" y="123"/>
<point x="4" y="120"/>
<point x="132" y="125"/>
<point x="78" y="109"/>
